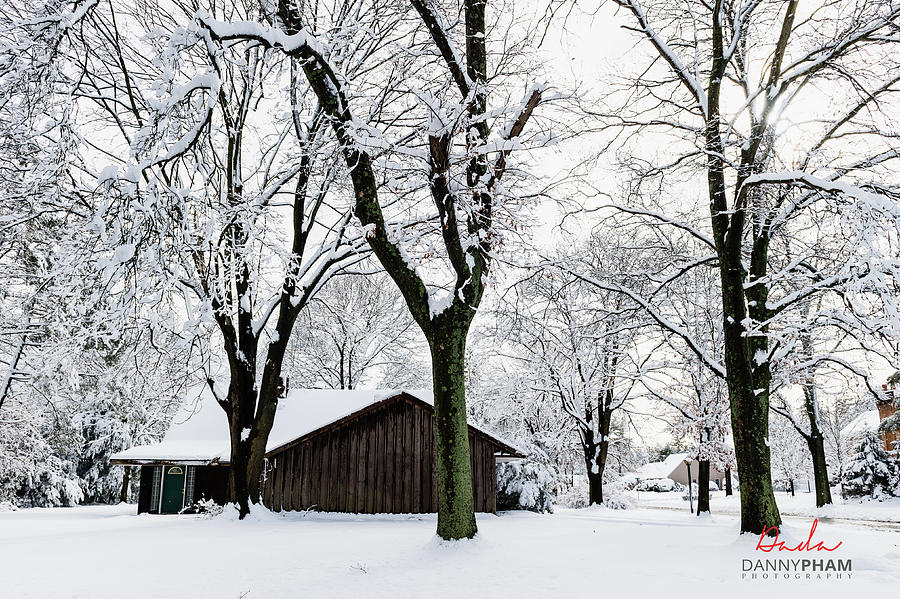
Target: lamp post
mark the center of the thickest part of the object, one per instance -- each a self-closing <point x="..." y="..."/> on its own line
<point x="687" y="464"/>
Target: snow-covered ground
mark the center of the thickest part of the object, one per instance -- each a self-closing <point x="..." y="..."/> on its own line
<point x="100" y="552"/>
<point x="801" y="504"/>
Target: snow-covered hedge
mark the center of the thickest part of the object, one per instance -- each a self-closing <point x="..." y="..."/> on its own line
<point x="525" y="485"/>
<point x="614" y="497"/>
<point x="628" y="481"/>
<point x="656" y="485"/>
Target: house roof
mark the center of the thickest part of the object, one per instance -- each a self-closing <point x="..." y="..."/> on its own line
<point x="866" y="421"/>
<point x="199" y="433"/>
<point x="661" y="469"/>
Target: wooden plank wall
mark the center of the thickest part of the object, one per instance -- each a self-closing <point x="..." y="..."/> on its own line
<point x="384" y="461"/>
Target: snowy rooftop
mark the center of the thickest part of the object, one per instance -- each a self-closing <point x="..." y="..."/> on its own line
<point x="661" y="469"/>
<point x="866" y="421"/>
<point x="199" y="433"/>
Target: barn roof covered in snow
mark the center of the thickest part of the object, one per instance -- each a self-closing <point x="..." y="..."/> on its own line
<point x="199" y="433"/>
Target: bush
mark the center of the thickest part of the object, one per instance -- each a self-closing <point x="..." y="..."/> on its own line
<point x="614" y="498"/>
<point x="576" y="495"/>
<point x="525" y="485"/>
<point x="203" y="506"/>
<point x="628" y="481"/>
<point x="871" y="471"/>
<point x="656" y="485"/>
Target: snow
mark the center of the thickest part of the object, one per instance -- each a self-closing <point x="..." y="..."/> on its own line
<point x="802" y="504"/>
<point x="106" y="552"/>
<point x="866" y="421"/>
<point x="200" y="432"/>
<point x="662" y="469"/>
<point x="271" y="36"/>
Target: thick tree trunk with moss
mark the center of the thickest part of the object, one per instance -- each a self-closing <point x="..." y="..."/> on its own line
<point x="748" y="377"/>
<point x="469" y="256"/>
<point x="456" y="504"/>
<point x="703" y="487"/>
<point x="750" y="426"/>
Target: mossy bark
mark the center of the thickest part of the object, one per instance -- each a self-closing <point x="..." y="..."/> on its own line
<point x="456" y="504"/>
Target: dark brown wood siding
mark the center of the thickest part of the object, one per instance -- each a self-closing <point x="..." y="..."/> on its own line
<point x="211" y="482"/>
<point x="145" y="489"/>
<point x="379" y="460"/>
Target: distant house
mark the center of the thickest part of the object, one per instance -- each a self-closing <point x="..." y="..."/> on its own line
<point x="329" y="450"/>
<point x="674" y="468"/>
<point x="859" y="426"/>
<point x="870" y="420"/>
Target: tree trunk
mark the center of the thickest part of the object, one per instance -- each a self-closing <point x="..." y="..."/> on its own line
<point x="595" y="488"/>
<point x="759" y="512"/>
<point x="792" y="487"/>
<point x="815" y="440"/>
<point x="126" y="482"/>
<point x="241" y="406"/>
<point x="703" y="487"/>
<point x="749" y="404"/>
<point x="456" y="504"/>
<point x="595" y="462"/>
<point x="595" y="454"/>
<point x="820" y="469"/>
<point x="728" y="488"/>
<point x="748" y="384"/>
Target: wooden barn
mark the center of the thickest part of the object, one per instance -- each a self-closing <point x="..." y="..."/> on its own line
<point x="338" y="451"/>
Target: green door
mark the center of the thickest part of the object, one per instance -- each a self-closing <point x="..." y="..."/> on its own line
<point x="173" y="490"/>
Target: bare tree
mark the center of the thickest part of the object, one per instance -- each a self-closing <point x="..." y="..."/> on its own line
<point x="581" y="347"/>
<point x="687" y="384"/>
<point x="356" y="331"/>
<point x="188" y="228"/>
<point x="723" y="80"/>
<point x="463" y="167"/>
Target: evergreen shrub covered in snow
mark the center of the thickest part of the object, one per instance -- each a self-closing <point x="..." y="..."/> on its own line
<point x="656" y="485"/>
<point x="614" y="497"/>
<point x="32" y="471"/>
<point x="525" y="485"/>
<point x="871" y="471"/>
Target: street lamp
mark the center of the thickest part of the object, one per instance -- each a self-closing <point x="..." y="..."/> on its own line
<point x="687" y="464"/>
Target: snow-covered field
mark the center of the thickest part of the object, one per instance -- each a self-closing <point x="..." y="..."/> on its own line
<point x="102" y="552"/>
<point x="800" y="504"/>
